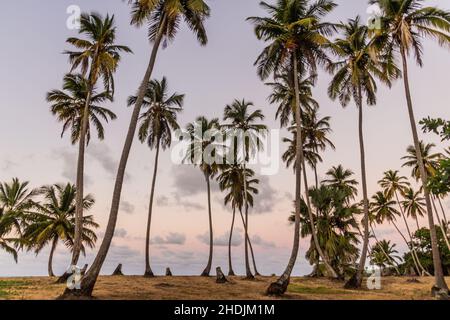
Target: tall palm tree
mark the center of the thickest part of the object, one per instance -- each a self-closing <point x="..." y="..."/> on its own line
<point x="393" y="185"/>
<point x="97" y="56"/>
<point x="231" y="180"/>
<point x="405" y="24"/>
<point x="54" y="221"/>
<point x="16" y="201"/>
<point x="68" y="106"/>
<point x="203" y="151"/>
<point x="246" y="133"/>
<point x="163" y="18"/>
<point x="156" y="125"/>
<point x="296" y="36"/>
<point x="355" y="74"/>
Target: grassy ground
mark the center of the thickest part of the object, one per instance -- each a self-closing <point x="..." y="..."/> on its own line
<point x="161" y="288"/>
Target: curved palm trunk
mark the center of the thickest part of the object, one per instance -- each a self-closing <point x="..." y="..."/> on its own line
<point x="148" y="269"/>
<point x="80" y="181"/>
<point x="50" y="258"/>
<point x="251" y="248"/>
<point x="356" y="281"/>
<point x="442" y="209"/>
<point x="248" y="271"/>
<point x="419" y="266"/>
<point x="207" y="270"/>
<point x="230" y="264"/>
<point x="90" y="278"/>
<point x="384" y="252"/>
<point x="438" y="273"/>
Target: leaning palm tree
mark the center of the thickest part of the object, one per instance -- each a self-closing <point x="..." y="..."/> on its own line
<point x="296" y="36"/>
<point x="16" y="201"/>
<point x="203" y="151"/>
<point x="246" y="135"/>
<point x="231" y="180"/>
<point x="68" y="106"/>
<point x="393" y="185"/>
<point x="54" y="221"/>
<point x="359" y="65"/>
<point x="156" y="125"/>
<point x="97" y="56"/>
<point x="413" y="204"/>
<point x="405" y="23"/>
<point x="163" y="18"/>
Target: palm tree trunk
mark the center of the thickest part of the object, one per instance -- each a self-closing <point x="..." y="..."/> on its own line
<point x="207" y="270"/>
<point x="90" y="278"/>
<point x="80" y="181"/>
<point x="50" y="258"/>
<point x="251" y="248"/>
<point x="316" y="178"/>
<point x="148" y="269"/>
<point x="384" y="252"/>
<point x="248" y="271"/>
<point x="442" y="209"/>
<point x="230" y="264"/>
<point x="417" y="223"/>
<point x="444" y="234"/>
<point x="438" y="273"/>
<point x="356" y="282"/>
<point x="280" y="286"/>
<point x="421" y="269"/>
<point x="407" y="244"/>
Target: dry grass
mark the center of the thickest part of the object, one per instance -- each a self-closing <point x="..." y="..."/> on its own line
<point x="192" y="288"/>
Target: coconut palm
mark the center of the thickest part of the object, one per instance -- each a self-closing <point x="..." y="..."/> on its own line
<point x="296" y="36"/>
<point x="341" y="179"/>
<point x="413" y="204"/>
<point x="231" y="180"/>
<point x="164" y="20"/>
<point x="16" y="200"/>
<point x="393" y="185"/>
<point x="383" y="254"/>
<point x="246" y="135"/>
<point x="203" y="151"/>
<point x="68" y="106"/>
<point x="96" y="56"/>
<point x="54" y="221"/>
<point x="157" y="122"/>
<point x="359" y="65"/>
<point x="405" y="24"/>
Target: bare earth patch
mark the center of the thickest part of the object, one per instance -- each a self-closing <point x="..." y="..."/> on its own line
<point x="200" y="288"/>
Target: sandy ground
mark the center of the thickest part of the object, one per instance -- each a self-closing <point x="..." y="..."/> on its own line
<point x="162" y="288"/>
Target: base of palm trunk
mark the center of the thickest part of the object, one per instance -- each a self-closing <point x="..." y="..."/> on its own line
<point x="231" y="273"/>
<point x="149" y="274"/>
<point x="440" y="294"/>
<point x="118" y="270"/>
<point x="353" y="283"/>
<point x="83" y="294"/>
<point x="257" y="274"/>
<point x="205" y="273"/>
<point x="249" y="277"/>
<point x="277" y="288"/>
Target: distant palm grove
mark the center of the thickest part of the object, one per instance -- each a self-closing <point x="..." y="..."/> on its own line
<point x="339" y="222"/>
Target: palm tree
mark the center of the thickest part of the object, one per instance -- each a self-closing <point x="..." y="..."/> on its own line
<point x="97" y="56"/>
<point x="413" y="204"/>
<point x="54" y="221"/>
<point x="68" y="106"/>
<point x="405" y="24"/>
<point x="156" y="126"/>
<point x="203" y="152"/>
<point x="246" y="137"/>
<point x="383" y="254"/>
<point x="231" y="180"/>
<point x="393" y="184"/>
<point x="163" y="18"/>
<point x="341" y="179"/>
<point x="16" y="201"/>
<point x="354" y="77"/>
<point x="382" y="208"/>
<point x="296" y="36"/>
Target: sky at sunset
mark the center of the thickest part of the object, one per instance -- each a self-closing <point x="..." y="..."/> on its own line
<point x="32" y="63"/>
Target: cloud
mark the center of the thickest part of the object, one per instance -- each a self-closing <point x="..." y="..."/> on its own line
<point x="127" y="207"/>
<point x="69" y="170"/>
<point x="162" y="201"/>
<point x="267" y="197"/>
<point x="256" y="239"/>
<point x="222" y="240"/>
<point x="189" y="181"/>
<point x="178" y="201"/>
<point x="8" y="165"/>
<point x="118" y="233"/>
<point x="172" y="238"/>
